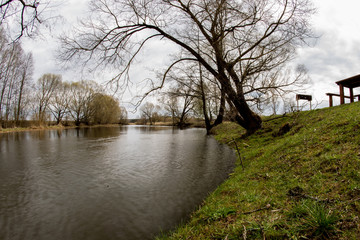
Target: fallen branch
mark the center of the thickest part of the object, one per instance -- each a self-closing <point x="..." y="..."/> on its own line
<point x="268" y="206"/>
<point x="297" y="192"/>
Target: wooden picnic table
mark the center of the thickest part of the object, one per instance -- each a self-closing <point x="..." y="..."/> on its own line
<point x="351" y="83"/>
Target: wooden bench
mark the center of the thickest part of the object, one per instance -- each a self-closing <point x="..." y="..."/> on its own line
<point x="338" y="95"/>
<point x="351" y="83"/>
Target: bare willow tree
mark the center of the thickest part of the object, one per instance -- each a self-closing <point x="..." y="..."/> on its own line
<point x="59" y="101"/>
<point x="150" y="112"/>
<point x="47" y="85"/>
<point x="82" y="94"/>
<point x="106" y="109"/>
<point x="233" y="40"/>
<point x="199" y="92"/>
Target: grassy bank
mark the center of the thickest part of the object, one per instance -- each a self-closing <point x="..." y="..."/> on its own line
<point x="32" y="128"/>
<point x="300" y="179"/>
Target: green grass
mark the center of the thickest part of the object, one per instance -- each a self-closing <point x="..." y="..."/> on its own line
<point x="302" y="184"/>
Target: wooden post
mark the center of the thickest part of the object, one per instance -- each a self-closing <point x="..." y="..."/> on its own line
<point x="342" y="98"/>
<point x="351" y="95"/>
<point x="297" y="104"/>
<point x="330" y="99"/>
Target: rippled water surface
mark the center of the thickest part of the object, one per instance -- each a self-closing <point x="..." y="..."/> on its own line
<point x="105" y="183"/>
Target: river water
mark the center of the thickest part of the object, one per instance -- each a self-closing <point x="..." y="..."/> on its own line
<point x="105" y="183"/>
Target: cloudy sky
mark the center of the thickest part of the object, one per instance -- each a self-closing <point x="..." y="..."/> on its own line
<point x="335" y="56"/>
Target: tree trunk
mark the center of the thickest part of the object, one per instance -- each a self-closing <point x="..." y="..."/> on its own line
<point x="220" y="117"/>
<point x="245" y="117"/>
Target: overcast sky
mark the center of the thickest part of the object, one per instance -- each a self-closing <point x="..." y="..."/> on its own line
<point x="335" y="56"/>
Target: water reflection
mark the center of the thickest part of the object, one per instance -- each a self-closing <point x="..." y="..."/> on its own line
<point x="105" y="183"/>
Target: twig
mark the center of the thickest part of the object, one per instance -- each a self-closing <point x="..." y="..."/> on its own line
<point x="238" y="151"/>
<point x="354" y="200"/>
<point x="257" y="210"/>
<point x="262" y="230"/>
<point x="317" y="199"/>
<point x="298" y="193"/>
<point x="244" y="233"/>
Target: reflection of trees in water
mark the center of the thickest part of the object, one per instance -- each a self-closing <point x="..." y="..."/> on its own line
<point x="140" y="181"/>
<point x="100" y="132"/>
<point x="145" y="129"/>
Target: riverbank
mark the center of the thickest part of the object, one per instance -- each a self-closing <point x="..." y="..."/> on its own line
<point x="297" y="178"/>
<point x="191" y="124"/>
<point x="53" y="127"/>
<point x="33" y="128"/>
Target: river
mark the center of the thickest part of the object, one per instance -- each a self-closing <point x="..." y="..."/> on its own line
<point x="129" y="182"/>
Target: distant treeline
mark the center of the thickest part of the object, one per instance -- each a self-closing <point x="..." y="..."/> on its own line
<point x="49" y="98"/>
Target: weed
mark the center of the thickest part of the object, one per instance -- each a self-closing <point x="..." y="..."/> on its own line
<point x="299" y="210"/>
<point x="219" y="214"/>
<point x="320" y="222"/>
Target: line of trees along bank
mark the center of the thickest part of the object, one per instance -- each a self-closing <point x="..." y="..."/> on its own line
<point x="83" y="102"/>
<point x="16" y="69"/>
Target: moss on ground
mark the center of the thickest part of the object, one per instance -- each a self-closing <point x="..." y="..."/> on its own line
<point x="301" y="180"/>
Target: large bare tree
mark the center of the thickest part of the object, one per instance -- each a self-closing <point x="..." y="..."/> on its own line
<point x="233" y="40"/>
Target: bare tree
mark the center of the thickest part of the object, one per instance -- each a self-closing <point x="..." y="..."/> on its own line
<point x="10" y="60"/>
<point x="25" y="77"/>
<point x="179" y="102"/>
<point x="171" y="105"/>
<point x="233" y="40"/>
<point x="46" y="87"/>
<point x="199" y="92"/>
<point x="123" y="116"/>
<point x="82" y="94"/>
<point x="16" y="68"/>
<point x="150" y="112"/>
<point x="60" y="100"/>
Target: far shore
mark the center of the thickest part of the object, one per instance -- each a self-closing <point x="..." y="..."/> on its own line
<point x="52" y="127"/>
<point x="61" y="127"/>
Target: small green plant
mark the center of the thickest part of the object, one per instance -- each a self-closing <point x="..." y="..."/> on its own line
<point x="299" y="210"/>
<point x="320" y="221"/>
<point x="220" y="213"/>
